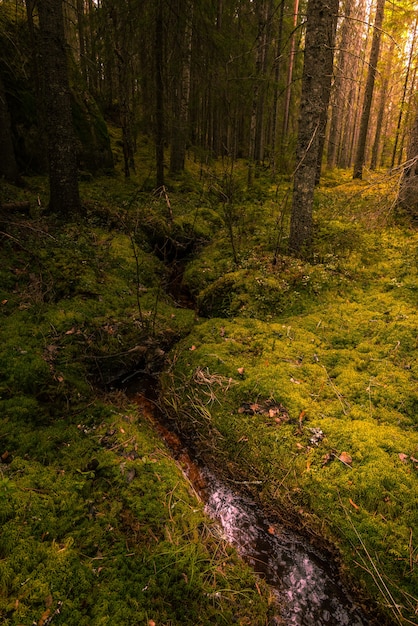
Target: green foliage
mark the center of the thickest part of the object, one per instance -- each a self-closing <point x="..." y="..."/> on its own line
<point x="331" y="349"/>
<point x="94" y="512"/>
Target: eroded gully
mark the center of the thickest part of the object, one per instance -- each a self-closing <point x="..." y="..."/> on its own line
<point x="304" y="580"/>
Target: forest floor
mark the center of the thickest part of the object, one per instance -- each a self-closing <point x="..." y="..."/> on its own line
<point x="299" y="376"/>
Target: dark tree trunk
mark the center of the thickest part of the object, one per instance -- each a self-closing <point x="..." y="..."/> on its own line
<point x="277" y="76"/>
<point x="181" y="95"/>
<point x="368" y="95"/>
<point x="62" y="155"/>
<point x="319" y="48"/>
<point x="159" y="95"/>
<point x="408" y="192"/>
<point x="8" y="165"/>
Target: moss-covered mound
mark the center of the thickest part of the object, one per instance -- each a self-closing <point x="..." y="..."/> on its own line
<point x="314" y="394"/>
<point x="98" y="523"/>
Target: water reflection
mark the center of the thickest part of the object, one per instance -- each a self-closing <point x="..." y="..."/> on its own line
<point x="302" y="579"/>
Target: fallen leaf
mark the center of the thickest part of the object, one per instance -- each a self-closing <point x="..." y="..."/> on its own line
<point x="151" y="623"/>
<point x="44" y="617"/>
<point x="241" y="371"/>
<point x="71" y="331"/>
<point x="345" y="458"/>
<point x="403" y="457"/>
<point x="353" y="504"/>
<point x="4" y="301"/>
<point x="192" y="348"/>
<point x="326" y="458"/>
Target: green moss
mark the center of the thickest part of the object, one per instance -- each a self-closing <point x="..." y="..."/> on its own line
<point x="341" y="364"/>
<point x="95" y="514"/>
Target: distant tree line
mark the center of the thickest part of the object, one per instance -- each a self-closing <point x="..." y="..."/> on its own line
<point x="288" y="85"/>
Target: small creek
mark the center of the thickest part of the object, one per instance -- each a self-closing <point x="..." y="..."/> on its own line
<point x="304" y="580"/>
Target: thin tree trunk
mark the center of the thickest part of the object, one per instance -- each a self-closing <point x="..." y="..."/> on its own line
<point x="405" y="87"/>
<point x="159" y="95"/>
<point x="290" y="72"/>
<point x="340" y="87"/>
<point x="368" y="95"/>
<point x="277" y="76"/>
<point x="326" y="79"/>
<point x="382" y="108"/>
<point x="81" y="38"/>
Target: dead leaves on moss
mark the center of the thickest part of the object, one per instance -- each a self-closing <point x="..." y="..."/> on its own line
<point x="268" y="408"/>
<point x="405" y="458"/>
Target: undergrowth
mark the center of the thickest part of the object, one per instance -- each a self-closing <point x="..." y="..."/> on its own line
<point x="98" y="523"/>
<point x="305" y="379"/>
<point x="296" y="376"/>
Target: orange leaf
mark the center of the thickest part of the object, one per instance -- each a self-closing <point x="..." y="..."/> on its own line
<point x="354" y="504"/>
<point x="345" y="458"/>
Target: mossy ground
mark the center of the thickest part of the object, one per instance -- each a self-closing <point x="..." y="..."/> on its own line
<point x="299" y="375"/>
<point x="97" y="520"/>
<point x="305" y="378"/>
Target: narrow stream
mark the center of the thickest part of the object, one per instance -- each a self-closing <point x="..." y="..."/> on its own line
<point x="305" y="582"/>
<point x="302" y="579"/>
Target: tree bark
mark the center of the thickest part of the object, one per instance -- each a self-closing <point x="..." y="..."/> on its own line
<point x="368" y="95"/>
<point x="8" y="165"/>
<point x="62" y="155"/>
<point x="179" y="126"/>
<point x="404" y="92"/>
<point x="159" y="94"/>
<point x="319" y="48"/>
<point x="408" y="192"/>
<point x="382" y="107"/>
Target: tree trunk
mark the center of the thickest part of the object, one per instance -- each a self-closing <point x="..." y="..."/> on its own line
<point x="319" y="48"/>
<point x="404" y="92"/>
<point x="8" y="165"/>
<point x="353" y="67"/>
<point x="382" y="107"/>
<point x="277" y="76"/>
<point x="180" y="120"/>
<point x="408" y="192"/>
<point x="368" y="95"/>
<point x="62" y="155"/>
<point x="340" y="87"/>
<point x="290" y="72"/>
<point x="159" y="94"/>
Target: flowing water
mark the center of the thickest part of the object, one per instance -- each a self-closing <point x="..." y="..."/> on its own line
<point x="304" y="580"/>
